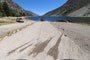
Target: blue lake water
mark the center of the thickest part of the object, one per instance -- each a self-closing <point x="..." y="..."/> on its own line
<point x="57" y="18"/>
<point x="46" y="18"/>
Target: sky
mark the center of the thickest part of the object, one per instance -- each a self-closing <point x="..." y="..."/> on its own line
<point x="40" y="6"/>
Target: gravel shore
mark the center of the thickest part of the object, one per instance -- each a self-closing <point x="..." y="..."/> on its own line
<point x="47" y="41"/>
<point x="78" y="33"/>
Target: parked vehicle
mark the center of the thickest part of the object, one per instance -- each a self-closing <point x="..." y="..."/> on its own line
<point x="20" y="20"/>
<point x="42" y="19"/>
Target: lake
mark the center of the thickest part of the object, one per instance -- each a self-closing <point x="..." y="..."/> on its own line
<point x="57" y="18"/>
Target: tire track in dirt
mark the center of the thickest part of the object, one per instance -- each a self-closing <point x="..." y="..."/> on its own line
<point x="39" y="48"/>
<point x="54" y="50"/>
<point x="12" y="51"/>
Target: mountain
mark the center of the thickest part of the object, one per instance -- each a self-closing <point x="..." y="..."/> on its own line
<point x="19" y="10"/>
<point x="72" y="8"/>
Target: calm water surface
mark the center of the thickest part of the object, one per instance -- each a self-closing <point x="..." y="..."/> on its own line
<point x="57" y="18"/>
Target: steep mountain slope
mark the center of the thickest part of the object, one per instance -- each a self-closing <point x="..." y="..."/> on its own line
<point x="69" y="7"/>
<point x="82" y="12"/>
<point x="16" y="7"/>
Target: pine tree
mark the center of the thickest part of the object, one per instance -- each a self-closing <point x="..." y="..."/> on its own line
<point x="6" y="9"/>
<point x="1" y="10"/>
<point x="1" y="7"/>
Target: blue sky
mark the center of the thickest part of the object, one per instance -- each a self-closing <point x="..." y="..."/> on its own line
<point x="40" y="6"/>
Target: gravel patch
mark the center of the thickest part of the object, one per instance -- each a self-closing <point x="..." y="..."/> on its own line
<point x="78" y="33"/>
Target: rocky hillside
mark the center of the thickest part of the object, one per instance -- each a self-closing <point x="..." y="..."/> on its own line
<point x="17" y="8"/>
<point x="70" y="7"/>
<point x="12" y="4"/>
